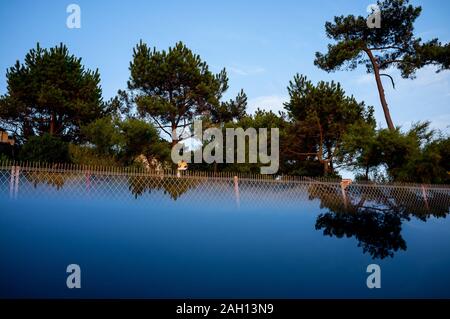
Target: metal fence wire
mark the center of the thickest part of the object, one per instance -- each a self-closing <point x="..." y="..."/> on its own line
<point x="44" y="180"/>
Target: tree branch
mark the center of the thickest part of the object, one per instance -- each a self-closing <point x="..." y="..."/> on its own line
<point x="184" y="125"/>
<point x="184" y="128"/>
<point x="301" y="154"/>
<point x="387" y="62"/>
<point x="160" y="126"/>
<point x="386" y="48"/>
<point x="392" y="80"/>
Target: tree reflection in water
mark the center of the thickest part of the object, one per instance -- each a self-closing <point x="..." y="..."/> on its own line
<point x="54" y="179"/>
<point x="373" y="215"/>
<point x="173" y="186"/>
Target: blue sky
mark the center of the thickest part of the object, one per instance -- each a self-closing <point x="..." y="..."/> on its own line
<point x="261" y="43"/>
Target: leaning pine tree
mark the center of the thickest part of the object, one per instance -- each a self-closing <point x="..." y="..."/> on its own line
<point x="392" y="45"/>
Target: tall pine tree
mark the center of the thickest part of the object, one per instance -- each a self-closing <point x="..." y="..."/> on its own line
<point x="391" y="46"/>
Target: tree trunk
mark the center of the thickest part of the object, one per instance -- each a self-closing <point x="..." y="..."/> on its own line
<point x="384" y="104"/>
<point x="326" y="167"/>
<point x="330" y="158"/>
<point x="325" y="162"/>
<point x="52" y="124"/>
<point x="174" y="135"/>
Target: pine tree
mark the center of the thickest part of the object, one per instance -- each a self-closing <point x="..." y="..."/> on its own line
<point x="172" y="87"/>
<point x="392" y="45"/>
<point x="51" y="92"/>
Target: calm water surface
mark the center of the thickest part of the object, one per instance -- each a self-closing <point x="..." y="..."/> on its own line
<point x="176" y="238"/>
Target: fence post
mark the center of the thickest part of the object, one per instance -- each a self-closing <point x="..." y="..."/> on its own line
<point x="12" y="181"/>
<point x="88" y="180"/>
<point x="236" y="191"/>
<point x="424" y="194"/>
<point x="16" y="183"/>
<point x="344" y="184"/>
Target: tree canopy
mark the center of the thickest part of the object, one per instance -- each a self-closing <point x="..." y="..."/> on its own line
<point x="126" y="139"/>
<point x="54" y="108"/>
<point x="51" y="92"/>
<point x="321" y="115"/>
<point x="172" y="87"/>
<point x="394" y="45"/>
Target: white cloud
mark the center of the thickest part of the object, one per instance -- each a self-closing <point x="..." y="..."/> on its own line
<point x="272" y="103"/>
<point x="441" y="122"/>
<point x="365" y="79"/>
<point x="244" y="71"/>
<point x="237" y="71"/>
<point x="427" y="77"/>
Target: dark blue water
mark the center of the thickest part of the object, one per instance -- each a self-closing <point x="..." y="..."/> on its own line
<point x="202" y="243"/>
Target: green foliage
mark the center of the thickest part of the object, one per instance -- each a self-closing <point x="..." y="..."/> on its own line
<point x="45" y="148"/>
<point x="429" y="167"/>
<point x="261" y="119"/>
<point x="125" y="140"/>
<point x="359" y="148"/>
<point x="431" y="52"/>
<point x="429" y="162"/>
<point x="306" y="167"/>
<point x="104" y="134"/>
<point x="56" y="107"/>
<point x="52" y="93"/>
<point x="231" y="110"/>
<point x="4" y="157"/>
<point x="391" y="46"/>
<point x="8" y="152"/>
<point x="321" y="115"/>
<point x="414" y="156"/>
<point x="86" y="155"/>
<point x="172" y="87"/>
<point x="392" y="42"/>
<point x="140" y="137"/>
<point x="398" y="151"/>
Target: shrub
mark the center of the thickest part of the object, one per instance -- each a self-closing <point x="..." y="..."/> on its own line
<point x="104" y="135"/>
<point x="45" y="148"/>
<point x="6" y="151"/>
<point x="85" y="155"/>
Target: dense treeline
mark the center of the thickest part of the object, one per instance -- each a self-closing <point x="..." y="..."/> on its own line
<point x="55" y="111"/>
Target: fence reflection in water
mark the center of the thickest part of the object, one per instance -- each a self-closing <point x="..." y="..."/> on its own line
<point x="372" y="213"/>
<point x="134" y="183"/>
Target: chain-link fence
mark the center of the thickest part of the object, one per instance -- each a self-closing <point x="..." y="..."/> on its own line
<point x="75" y="181"/>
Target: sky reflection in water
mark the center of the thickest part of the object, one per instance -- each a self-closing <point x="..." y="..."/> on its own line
<point x="152" y="237"/>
